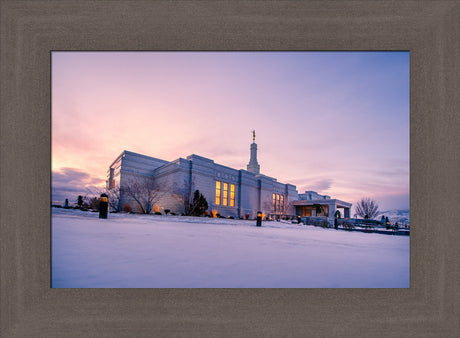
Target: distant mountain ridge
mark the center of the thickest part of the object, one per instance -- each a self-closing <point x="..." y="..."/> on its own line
<point x="395" y="215"/>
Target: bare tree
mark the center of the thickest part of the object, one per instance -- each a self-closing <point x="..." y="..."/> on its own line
<point x="283" y="209"/>
<point x="367" y="208"/>
<point x="93" y="196"/>
<point x="268" y="206"/>
<point x="185" y="197"/>
<point x="114" y="197"/>
<point x="187" y="202"/>
<point x="90" y="200"/>
<point x="287" y="207"/>
<point x="145" y="192"/>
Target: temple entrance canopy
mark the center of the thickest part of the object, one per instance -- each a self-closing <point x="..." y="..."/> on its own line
<point x="315" y="210"/>
<point x="312" y="204"/>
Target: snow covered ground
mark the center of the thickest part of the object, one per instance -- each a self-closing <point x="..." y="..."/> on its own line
<point x="146" y="251"/>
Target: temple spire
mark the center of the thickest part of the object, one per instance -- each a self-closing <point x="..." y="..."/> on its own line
<point x="253" y="166"/>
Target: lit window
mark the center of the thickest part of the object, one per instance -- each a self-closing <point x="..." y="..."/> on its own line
<point x="282" y="202"/>
<point x="277" y="202"/>
<point x="232" y="195"/>
<point x="225" y="196"/>
<point x="274" y="202"/>
<point x="218" y="192"/>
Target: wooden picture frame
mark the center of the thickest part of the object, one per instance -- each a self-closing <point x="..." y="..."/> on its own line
<point x="30" y="30"/>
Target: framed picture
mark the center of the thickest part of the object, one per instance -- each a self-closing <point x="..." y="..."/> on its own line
<point x="31" y="32"/>
<point x="325" y="174"/>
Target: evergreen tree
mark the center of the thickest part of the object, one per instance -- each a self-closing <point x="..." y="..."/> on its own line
<point x="80" y="201"/>
<point x="199" y="204"/>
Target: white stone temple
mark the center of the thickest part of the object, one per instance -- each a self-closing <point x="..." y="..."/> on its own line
<point x="230" y="192"/>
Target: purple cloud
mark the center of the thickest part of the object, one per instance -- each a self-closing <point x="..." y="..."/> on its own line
<point x="319" y="185"/>
<point x="68" y="183"/>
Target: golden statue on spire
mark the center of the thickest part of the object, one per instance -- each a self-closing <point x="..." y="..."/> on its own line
<point x="253" y="135"/>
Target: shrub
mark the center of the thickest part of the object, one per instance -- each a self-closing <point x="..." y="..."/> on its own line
<point x="94" y="203"/>
<point x="348" y="225"/>
<point x="167" y="211"/>
<point x="127" y="208"/>
<point x="247" y="216"/>
<point x="157" y="213"/>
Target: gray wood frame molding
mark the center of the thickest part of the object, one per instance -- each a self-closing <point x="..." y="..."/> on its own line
<point x="30" y="30"/>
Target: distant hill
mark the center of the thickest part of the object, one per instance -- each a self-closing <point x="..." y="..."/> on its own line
<point x="395" y="215"/>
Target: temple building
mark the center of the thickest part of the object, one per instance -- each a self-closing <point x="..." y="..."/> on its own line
<point x="231" y="192"/>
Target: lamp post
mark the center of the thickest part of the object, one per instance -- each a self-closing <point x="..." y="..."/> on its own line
<point x="259" y="218"/>
<point x="103" y="206"/>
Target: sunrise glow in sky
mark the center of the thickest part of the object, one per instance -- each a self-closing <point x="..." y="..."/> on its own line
<point x="333" y="122"/>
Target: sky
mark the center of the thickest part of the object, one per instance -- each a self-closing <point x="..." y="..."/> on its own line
<point x="332" y="122"/>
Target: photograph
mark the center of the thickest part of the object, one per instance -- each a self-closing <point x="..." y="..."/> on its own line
<point x="230" y="169"/>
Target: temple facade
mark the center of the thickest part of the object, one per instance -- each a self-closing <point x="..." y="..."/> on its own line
<point x="229" y="192"/>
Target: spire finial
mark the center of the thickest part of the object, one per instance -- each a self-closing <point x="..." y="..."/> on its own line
<point x="253" y="136"/>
